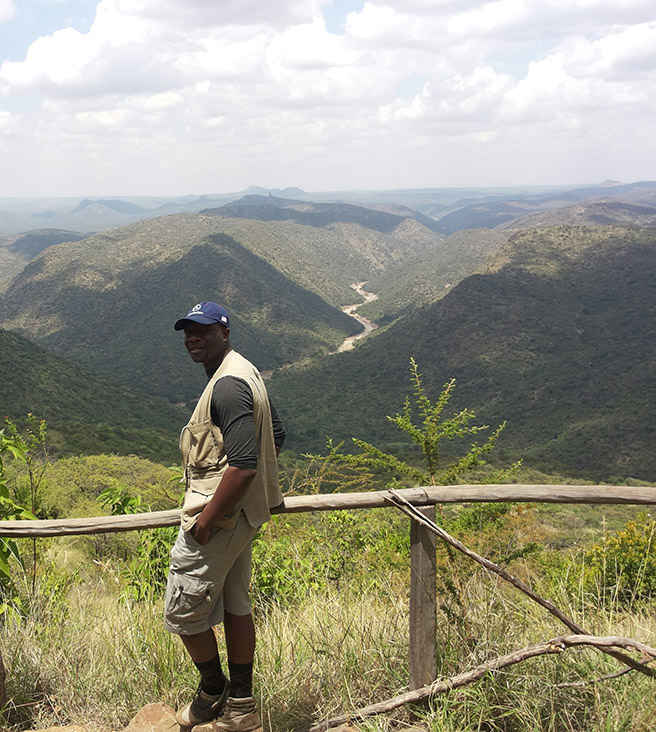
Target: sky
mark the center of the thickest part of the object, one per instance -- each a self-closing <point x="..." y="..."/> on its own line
<point x="177" y="97"/>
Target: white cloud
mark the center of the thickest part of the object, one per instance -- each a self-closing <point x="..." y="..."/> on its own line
<point x="7" y="10"/>
<point x="182" y="89"/>
<point x="521" y="20"/>
<point x="7" y="121"/>
<point x="189" y="15"/>
<point x="584" y="77"/>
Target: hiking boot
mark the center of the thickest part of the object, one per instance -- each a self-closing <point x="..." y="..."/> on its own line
<point x="239" y="715"/>
<point x="202" y="708"/>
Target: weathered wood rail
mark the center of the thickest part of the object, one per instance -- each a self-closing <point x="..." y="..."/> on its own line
<point x="423" y="616"/>
<point x="421" y="496"/>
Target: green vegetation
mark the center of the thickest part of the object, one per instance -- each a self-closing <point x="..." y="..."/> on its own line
<point x="554" y="335"/>
<point x="430" y="274"/>
<point x="330" y="601"/>
<point x="10" y="444"/>
<point x="84" y="641"/>
<point x="623" y="564"/>
<point x="429" y="436"/>
<point x="281" y="281"/>
<point x="85" y="412"/>
<point x="607" y="213"/>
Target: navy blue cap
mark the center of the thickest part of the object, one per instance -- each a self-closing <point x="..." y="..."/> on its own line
<point x="205" y="313"/>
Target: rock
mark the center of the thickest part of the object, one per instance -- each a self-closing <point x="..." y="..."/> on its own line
<point x="156" y="717"/>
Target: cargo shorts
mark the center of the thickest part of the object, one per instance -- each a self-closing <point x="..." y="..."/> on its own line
<point x="206" y="580"/>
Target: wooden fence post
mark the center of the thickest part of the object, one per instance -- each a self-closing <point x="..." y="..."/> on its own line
<point x="423" y="605"/>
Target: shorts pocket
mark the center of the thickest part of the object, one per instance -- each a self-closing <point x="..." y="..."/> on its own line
<point x="188" y="599"/>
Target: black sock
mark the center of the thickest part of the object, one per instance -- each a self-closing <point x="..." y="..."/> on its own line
<point x="241" y="679"/>
<point x="212" y="678"/>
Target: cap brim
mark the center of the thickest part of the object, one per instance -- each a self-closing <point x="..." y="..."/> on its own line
<point x="180" y="324"/>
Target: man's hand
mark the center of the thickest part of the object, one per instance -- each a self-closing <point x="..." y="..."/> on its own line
<point x="200" y="532"/>
<point x="229" y="492"/>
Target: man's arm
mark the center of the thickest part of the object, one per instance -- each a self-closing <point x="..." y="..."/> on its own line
<point x="233" y="484"/>
<point x="232" y="412"/>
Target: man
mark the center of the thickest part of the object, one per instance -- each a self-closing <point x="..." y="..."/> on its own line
<point x="229" y="450"/>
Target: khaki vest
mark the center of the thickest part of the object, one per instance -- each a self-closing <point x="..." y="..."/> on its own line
<point x="205" y="461"/>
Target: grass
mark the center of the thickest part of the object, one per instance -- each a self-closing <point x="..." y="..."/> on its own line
<point x="77" y="653"/>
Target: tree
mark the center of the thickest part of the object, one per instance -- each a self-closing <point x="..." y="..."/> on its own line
<point x="429" y="435"/>
<point x="33" y="454"/>
<point x="9" y="510"/>
<point x="428" y="427"/>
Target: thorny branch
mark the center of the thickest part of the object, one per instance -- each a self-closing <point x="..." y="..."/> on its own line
<point x="555" y="645"/>
<point x="416" y="515"/>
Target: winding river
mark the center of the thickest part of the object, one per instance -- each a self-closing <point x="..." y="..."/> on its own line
<point x="347" y="345"/>
<point x="369" y="325"/>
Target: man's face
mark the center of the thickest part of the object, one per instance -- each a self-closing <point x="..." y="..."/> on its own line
<point x="207" y="344"/>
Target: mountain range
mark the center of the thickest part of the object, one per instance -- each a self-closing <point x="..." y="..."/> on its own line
<point x="545" y="321"/>
<point x="109" y="301"/>
<point x="448" y="209"/>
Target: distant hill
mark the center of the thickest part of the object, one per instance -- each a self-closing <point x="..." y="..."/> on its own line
<point x="87" y="215"/>
<point x="605" y="213"/>
<point x="85" y="413"/>
<point x="10" y="222"/>
<point x="555" y="334"/>
<point x="465" y="208"/>
<point x="485" y="215"/>
<point x="18" y="249"/>
<point x="641" y="192"/>
<point x="503" y="210"/>
<point x="109" y="301"/>
<point x="34" y="242"/>
<point x="273" y="208"/>
<point x="430" y="274"/>
<point x="123" y="207"/>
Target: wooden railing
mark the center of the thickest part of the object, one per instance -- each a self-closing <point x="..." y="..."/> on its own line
<point x="423" y="616"/>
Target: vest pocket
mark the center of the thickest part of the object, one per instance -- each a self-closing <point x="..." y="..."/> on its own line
<point x="203" y="448"/>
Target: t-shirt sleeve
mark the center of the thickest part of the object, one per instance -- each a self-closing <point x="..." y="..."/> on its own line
<point x="279" y="431"/>
<point x="232" y="412"/>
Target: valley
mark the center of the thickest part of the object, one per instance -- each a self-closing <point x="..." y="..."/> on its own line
<point x="543" y="320"/>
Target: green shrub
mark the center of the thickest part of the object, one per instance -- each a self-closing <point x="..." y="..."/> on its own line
<point x="9" y="510"/>
<point x="145" y="572"/>
<point x="623" y="565"/>
<point x="294" y="555"/>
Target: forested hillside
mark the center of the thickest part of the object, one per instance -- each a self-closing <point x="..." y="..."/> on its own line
<point x="18" y="249"/>
<point x="109" y="301"/>
<point x="430" y="274"/>
<point x="272" y="208"/>
<point x="551" y="208"/>
<point x="608" y="213"/>
<point x="85" y="413"/>
<point x="554" y="335"/>
<point x="549" y="329"/>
